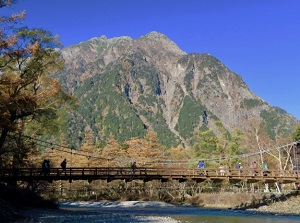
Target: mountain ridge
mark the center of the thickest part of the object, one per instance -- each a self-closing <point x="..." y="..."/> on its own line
<point x="150" y="83"/>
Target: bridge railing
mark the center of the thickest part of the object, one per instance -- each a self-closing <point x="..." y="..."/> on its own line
<point x="149" y="171"/>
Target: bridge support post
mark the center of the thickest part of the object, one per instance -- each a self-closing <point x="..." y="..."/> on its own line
<point x="61" y="189"/>
<point x="252" y="187"/>
<point x="267" y="188"/>
<point x="277" y="188"/>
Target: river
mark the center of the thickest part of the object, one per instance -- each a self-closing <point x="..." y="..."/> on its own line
<point x="152" y="212"/>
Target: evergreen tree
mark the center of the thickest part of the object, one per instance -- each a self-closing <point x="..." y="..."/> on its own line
<point x="206" y="145"/>
<point x="296" y="134"/>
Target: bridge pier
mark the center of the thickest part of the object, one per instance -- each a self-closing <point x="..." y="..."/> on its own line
<point x="267" y="187"/>
<point x="278" y="190"/>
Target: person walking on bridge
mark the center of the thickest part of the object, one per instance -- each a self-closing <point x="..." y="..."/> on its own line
<point x="44" y="167"/>
<point x="240" y="167"/>
<point x="201" y="165"/>
<point x="47" y="167"/>
<point x="264" y="167"/>
<point x="253" y="167"/>
<point x="63" y="166"/>
<point x="133" y="166"/>
<point x="222" y="170"/>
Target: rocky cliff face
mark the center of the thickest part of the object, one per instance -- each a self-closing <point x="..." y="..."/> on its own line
<point x="130" y="86"/>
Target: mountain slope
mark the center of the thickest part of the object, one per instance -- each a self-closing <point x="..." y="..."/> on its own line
<point x="127" y="87"/>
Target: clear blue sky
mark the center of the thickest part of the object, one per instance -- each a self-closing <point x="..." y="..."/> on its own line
<point x="257" y="39"/>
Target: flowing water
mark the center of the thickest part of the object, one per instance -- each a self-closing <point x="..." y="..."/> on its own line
<point x="152" y="212"/>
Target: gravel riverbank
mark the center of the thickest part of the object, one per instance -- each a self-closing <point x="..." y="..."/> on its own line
<point x="288" y="203"/>
<point x="281" y="205"/>
<point x="289" y="206"/>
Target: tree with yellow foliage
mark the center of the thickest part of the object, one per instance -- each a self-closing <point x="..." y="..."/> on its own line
<point x="30" y="96"/>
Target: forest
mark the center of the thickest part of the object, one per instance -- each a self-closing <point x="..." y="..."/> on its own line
<point x="34" y="107"/>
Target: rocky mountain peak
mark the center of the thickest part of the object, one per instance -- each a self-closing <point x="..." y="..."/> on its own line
<point x="127" y="87"/>
<point x="157" y="36"/>
<point x="160" y="40"/>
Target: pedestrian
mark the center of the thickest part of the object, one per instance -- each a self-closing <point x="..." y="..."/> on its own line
<point x="44" y="167"/>
<point x="63" y="165"/>
<point x="133" y="167"/>
<point x="222" y="170"/>
<point x="265" y="168"/>
<point x="201" y="166"/>
<point x="254" y="166"/>
<point x="251" y="165"/>
<point x="240" y="167"/>
<point x="47" y="167"/>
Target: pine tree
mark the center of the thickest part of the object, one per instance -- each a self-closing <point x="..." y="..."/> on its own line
<point x="296" y="134"/>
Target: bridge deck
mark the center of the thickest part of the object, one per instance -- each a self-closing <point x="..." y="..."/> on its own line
<point x="148" y="174"/>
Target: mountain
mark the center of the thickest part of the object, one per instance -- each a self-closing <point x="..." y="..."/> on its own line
<point x="127" y="87"/>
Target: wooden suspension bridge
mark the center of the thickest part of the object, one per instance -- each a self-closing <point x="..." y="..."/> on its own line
<point x="148" y="174"/>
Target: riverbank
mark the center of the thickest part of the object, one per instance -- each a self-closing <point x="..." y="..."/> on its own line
<point x="265" y="203"/>
<point x="289" y="206"/>
<point x="14" y="200"/>
<point x="149" y="211"/>
<point x="274" y="204"/>
<point x="11" y="214"/>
